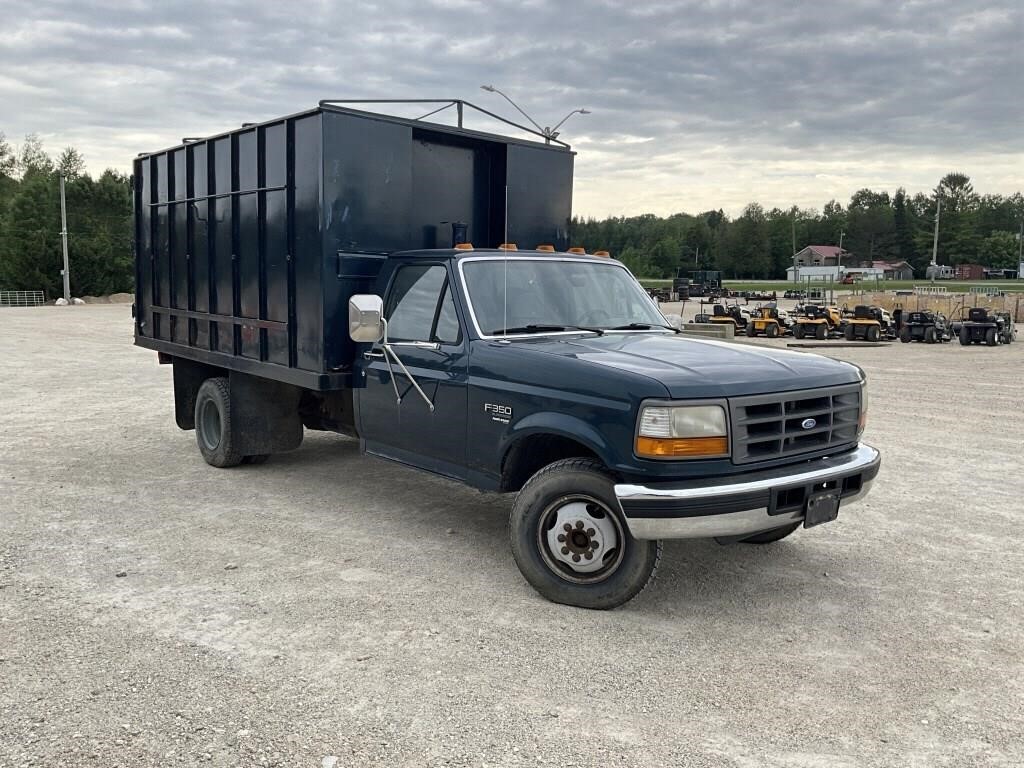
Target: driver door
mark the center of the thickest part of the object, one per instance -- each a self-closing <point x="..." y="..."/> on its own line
<point x="425" y="332"/>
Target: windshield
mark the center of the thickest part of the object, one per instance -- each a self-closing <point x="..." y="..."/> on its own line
<point x="552" y="294"/>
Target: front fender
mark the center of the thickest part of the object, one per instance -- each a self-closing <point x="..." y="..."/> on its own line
<point x="563" y="425"/>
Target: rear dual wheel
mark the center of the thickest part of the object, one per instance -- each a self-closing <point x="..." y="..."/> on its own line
<point x="571" y="542"/>
<point x="214" y="433"/>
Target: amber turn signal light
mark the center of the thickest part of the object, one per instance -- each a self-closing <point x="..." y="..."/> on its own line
<point x="691" y="447"/>
<point x="546" y="248"/>
<point x="578" y="250"/>
<point x="463" y="246"/>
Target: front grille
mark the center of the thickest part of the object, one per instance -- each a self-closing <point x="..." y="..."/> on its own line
<point x="766" y="427"/>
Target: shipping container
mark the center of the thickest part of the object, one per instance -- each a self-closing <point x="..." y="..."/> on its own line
<point x="248" y="244"/>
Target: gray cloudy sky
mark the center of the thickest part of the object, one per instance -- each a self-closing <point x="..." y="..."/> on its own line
<point x="695" y="105"/>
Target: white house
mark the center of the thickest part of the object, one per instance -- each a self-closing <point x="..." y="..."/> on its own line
<point x="815" y="273"/>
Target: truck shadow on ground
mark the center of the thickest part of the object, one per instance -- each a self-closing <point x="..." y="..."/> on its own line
<point x="693" y="574"/>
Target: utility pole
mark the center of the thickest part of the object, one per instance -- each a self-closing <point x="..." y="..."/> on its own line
<point x="935" y="239"/>
<point x="792" y="222"/>
<point x="64" y="239"/>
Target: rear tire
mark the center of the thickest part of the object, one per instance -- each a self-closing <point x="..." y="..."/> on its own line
<point x="798" y="331"/>
<point x="213" y="424"/>
<point x="965" y="337"/>
<point x="991" y="337"/>
<point x="929" y="336"/>
<point x="770" y="537"/>
<point x="873" y="333"/>
<point x="751" y="333"/>
<point x="849" y="333"/>
<point x="567" y="493"/>
<point x="820" y="332"/>
<point x="772" y="331"/>
<point x="905" y="335"/>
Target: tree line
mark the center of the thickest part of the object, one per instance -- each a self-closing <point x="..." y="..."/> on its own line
<point x="99" y="213"/>
<point x="758" y="244"/>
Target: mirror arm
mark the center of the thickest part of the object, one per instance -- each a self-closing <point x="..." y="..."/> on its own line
<point x="389" y="353"/>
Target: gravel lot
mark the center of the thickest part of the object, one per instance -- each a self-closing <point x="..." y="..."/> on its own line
<point x="331" y="609"/>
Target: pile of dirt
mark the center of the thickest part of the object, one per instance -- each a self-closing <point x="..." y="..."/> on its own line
<point x="114" y="298"/>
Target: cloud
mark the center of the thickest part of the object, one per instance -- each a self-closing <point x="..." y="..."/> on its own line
<point x="695" y="105"/>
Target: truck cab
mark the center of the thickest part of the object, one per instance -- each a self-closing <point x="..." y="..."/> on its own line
<point x="555" y="377"/>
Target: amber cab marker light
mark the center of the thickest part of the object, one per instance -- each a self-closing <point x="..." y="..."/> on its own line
<point x="463" y="246"/>
<point x="508" y="247"/>
<point x="546" y="248"/>
<point x="669" y="447"/>
<point x="605" y="254"/>
<point x="578" y="250"/>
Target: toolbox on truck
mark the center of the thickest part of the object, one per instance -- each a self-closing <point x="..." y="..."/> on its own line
<point x="248" y="244"/>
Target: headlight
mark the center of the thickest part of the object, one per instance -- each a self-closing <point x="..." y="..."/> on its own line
<point x="682" y="432"/>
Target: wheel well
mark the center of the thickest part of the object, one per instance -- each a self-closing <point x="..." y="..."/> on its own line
<point x="533" y="452"/>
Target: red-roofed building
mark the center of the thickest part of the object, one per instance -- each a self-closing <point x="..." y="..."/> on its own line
<point x="894" y="270"/>
<point x="821" y="256"/>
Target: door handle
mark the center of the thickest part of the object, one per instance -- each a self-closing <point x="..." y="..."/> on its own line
<point x="373" y="355"/>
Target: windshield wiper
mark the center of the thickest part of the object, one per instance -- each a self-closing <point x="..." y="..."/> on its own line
<point x="643" y="327"/>
<point x="535" y="328"/>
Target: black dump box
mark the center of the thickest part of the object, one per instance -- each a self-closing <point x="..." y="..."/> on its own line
<point x="249" y="244"/>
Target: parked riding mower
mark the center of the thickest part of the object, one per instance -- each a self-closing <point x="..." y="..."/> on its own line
<point x="980" y="327"/>
<point x="731" y="314"/>
<point x="865" y="324"/>
<point x="765" y="320"/>
<point x="817" y="321"/>
<point x="1009" y="333"/>
<point x="925" y="325"/>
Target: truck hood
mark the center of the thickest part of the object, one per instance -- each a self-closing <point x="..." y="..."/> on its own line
<point x="701" y="368"/>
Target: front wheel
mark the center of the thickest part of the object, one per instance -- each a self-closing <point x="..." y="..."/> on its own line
<point x="905" y="335"/>
<point x="772" y="332"/>
<point x="821" y="332"/>
<point x="991" y="337"/>
<point x="572" y="544"/>
<point x="798" y="331"/>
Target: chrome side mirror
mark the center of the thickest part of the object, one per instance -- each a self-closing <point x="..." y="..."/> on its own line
<point x="366" y="317"/>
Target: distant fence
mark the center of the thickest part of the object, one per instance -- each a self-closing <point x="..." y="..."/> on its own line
<point x="22" y="299"/>
<point x="931" y="289"/>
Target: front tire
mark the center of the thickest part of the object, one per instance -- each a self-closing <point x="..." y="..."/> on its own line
<point x="965" y="337"/>
<point x="213" y="424"/>
<point x="821" y="332"/>
<point x="798" y="331"/>
<point x="905" y="335"/>
<point x="572" y="544"/>
<point x="991" y="337"/>
<point x="772" y="332"/>
<point x="930" y="336"/>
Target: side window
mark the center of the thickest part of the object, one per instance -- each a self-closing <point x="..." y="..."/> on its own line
<point x="448" y="331"/>
<point x="420" y="306"/>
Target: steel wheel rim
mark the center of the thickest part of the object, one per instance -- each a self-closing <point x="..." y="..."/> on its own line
<point x="210" y="425"/>
<point x="601" y="527"/>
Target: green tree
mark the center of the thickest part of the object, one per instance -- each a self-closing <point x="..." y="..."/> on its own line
<point x="71" y="163"/>
<point x="999" y="250"/>
<point x="32" y="159"/>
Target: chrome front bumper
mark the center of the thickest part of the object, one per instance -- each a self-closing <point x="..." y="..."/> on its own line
<point x="744" y="504"/>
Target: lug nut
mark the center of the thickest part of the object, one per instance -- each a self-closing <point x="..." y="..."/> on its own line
<point x="579" y="525"/>
<point x="561" y="537"/>
<point x="590" y="531"/>
<point x="575" y="558"/>
<point x="588" y="555"/>
<point x="565" y="550"/>
<point x="567" y="527"/>
<point x="593" y="545"/>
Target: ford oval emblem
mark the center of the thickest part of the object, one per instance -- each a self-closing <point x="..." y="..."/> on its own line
<point x="808" y="423"/>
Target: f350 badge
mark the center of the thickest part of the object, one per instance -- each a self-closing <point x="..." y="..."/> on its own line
<point x="499" y="413"/>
